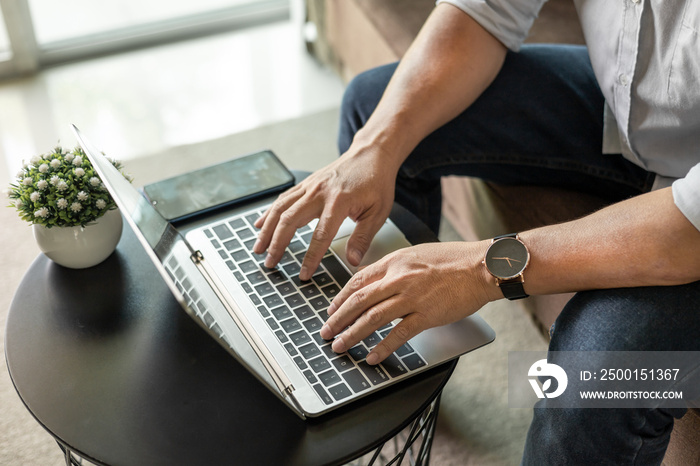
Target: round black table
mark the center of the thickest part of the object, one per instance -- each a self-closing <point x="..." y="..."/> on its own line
<point x="109" y="364"/>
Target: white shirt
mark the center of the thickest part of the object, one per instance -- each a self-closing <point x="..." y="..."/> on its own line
<point x="646" y="57"/>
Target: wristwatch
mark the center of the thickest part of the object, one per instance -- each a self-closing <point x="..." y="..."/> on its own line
<point x="506" y="259"/>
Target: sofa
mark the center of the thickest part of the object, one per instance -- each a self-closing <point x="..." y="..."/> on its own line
<point x="354" y="35"/>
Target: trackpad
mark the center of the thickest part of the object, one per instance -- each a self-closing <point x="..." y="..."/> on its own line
<point x="387" y="240"/>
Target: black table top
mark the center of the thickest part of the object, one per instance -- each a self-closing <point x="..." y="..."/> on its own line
<point x="107" y="361"/>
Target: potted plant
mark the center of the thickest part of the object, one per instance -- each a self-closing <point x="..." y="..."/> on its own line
<point x="74" y="219"/>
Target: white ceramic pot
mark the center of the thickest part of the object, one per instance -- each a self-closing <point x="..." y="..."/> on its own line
<point x="78" y="247"/>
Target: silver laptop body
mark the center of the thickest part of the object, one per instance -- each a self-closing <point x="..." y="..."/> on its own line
<point x="256" y="314"/>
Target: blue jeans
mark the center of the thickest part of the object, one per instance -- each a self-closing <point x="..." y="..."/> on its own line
<point x="541" y="123"/>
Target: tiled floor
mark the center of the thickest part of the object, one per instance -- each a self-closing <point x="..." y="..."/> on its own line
<point x="145" y="101"/>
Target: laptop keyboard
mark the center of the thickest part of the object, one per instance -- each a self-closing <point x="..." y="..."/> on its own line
<point x="296" y="310"/>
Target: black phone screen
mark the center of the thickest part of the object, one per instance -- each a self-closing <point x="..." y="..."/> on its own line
<point x="219" y="185"/>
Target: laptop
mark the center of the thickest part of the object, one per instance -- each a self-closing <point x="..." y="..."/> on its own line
<point x="268" y="319"/>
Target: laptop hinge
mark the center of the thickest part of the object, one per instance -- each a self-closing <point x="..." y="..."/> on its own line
<point x="273" y="368"/>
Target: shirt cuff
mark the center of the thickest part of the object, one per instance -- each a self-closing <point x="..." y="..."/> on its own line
<point x="686" y="195"/>
<point x="509" y="21"/>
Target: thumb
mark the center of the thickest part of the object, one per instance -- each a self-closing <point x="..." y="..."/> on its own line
<point x="361" y="238"/>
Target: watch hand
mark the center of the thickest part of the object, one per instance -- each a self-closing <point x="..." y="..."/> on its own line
<point x="507" y="259"/>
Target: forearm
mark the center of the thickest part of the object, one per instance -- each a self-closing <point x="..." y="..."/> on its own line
<point x="642" y="241"/>
<point x="451" y="62"/>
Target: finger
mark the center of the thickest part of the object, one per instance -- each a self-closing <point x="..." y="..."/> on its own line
<point x="365" y="292"/>
<point x="361" y="238"/>
<point x="295" y="217"/>
<point x="269" y="220"/>
<point x="362" y="278"/>
<point x="325" y="231"/>
<point x="408" y="328"/>
<point x="377" y="316"/>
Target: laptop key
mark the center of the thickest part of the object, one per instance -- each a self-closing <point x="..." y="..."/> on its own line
<point x="245" y="233"/>
<point x="256" y="277"/>
<point x="343" y="363"/>
<point x="222" y="232"/>
<point x="319" y="364"/>
<point x="301" y="364"/>
<point x="240" y="255"/>
<point x="264" y="289"/>
<point x="331" y="291"/>
<point x="358" y="352"/>
<point x="290" y="325"/>
<point x="248" y="267"/>
<point x="295" y="246"/>
<point x="319" y="302"/>
<point x="272" y="323"/>
<point x="310" y="376"/>
<point x="375" y="374"/>
<point x="232" y="244"/>
<point x="372" y="340"/>
<point x="292" y="269"/>
<point x="340" y="392"/>
<point x="286" y="288"/>
<point x="393" y="366"/>
<point x="413" y="361"/>
<point x="325" y="397"/>
<point x="322" y="279"/>
<point x="304" y="312"/>
<point x="336" y="269"/>
<point x="273" y="300"/>
<point x="281" y="336"/>
<point x="309" y="351"/>
<point x="300" y="338"/>
<point x="254" y="299"/>
<point x="277" y="277"/>
<point x="294" y="300"/>
<point x="329" y="378"/>
<point x="237" y="223"/>
<point x="291" y="349"/>
<point x="313" y="325"/>
<point x="281" y="313"/>
<point x="306" y="237"/>
<point x="404" y="350"/>
<point x="252" y="218"/>
<point x="356" y="380"/>
<point x="310" y="291"/>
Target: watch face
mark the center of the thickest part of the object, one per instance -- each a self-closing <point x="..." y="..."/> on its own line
<point x="506" y="258"/>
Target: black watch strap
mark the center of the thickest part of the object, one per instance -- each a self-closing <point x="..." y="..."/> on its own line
<point x="513" y="290"/>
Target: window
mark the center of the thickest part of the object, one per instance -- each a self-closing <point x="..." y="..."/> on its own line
<point x="36" y="33"/>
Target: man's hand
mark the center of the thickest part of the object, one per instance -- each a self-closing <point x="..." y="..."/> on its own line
<point x="426" y="285"/>
<point x="359" y="185"/>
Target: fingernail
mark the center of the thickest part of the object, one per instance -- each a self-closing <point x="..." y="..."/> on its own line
<point x="304" y="273"/>
<point x="269" y="263"/>
<point x="332" y="308"/>
<point x="325" y="332"/>
<point x="339" y="345"/>
<point x="372" y="359"/>
<point x="256" y="246"/>
<point x="354" y="256"/>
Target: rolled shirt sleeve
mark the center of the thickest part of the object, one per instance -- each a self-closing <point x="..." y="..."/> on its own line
<point x="507" y="20"/>
<point x="686" y="195"/>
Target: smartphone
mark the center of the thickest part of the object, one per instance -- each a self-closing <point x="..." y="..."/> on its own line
<point x="217" y="186"/>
